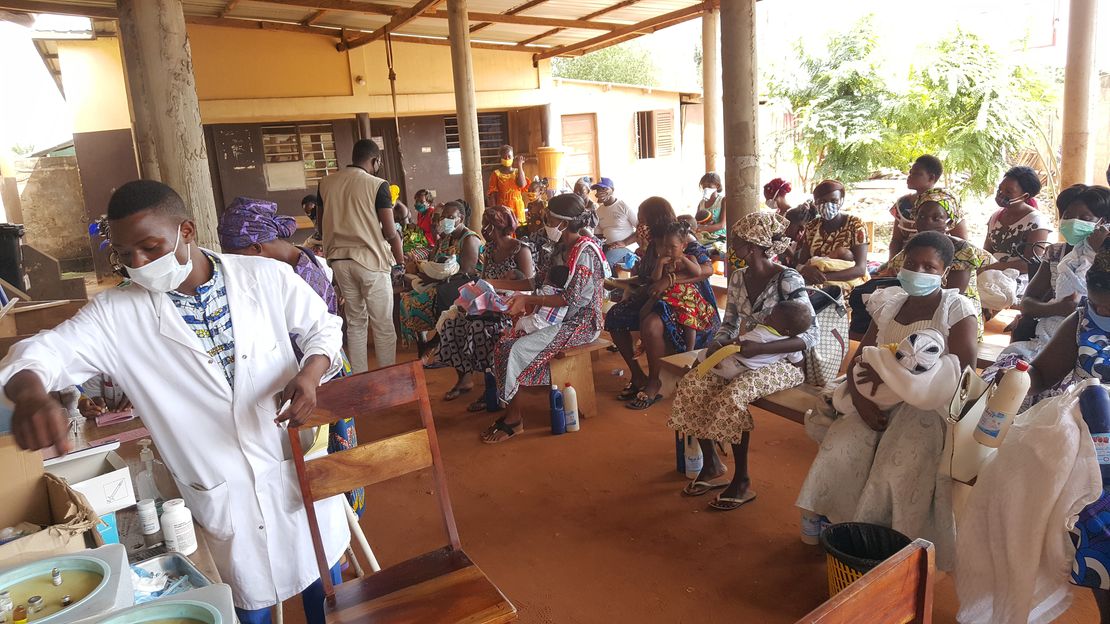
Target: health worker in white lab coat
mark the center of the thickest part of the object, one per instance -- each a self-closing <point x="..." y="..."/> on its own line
<point x="201" y="342"/>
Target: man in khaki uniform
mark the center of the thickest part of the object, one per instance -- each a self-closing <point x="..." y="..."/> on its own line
<point x="362" y="246"/>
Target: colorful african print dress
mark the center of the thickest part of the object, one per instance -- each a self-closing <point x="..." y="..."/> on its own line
<point x="417" y="310"/>
<point x="509" y="193"/>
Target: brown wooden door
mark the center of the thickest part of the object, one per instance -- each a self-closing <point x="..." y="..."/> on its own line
<point x="580" y="143"/>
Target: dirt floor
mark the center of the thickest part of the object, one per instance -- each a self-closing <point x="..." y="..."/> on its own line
<point x="591" y="527"/>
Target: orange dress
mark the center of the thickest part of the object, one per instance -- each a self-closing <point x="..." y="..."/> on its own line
<point x="508" y="192"/>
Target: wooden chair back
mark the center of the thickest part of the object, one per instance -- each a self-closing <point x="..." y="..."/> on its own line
<point x="899" y="590"/>
<point x="374" y="461"/>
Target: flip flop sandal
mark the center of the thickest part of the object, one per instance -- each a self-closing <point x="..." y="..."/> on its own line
<point x="435" y="365"/>
<point x="729" y="503"/>
<point x="480" y="406"/>
<point x="699" y="488"/>
<point x="455" y="393"/>
<point x="643" y="401"/>
<point x="502" y="426"/>
<point x="630" y="391"/>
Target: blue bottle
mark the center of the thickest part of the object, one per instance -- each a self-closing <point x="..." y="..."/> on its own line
<point x="491" y="398"/>
<point x="680" y="452"/>
<point x="558" y="416"/>
<point x="1094" y="405"/>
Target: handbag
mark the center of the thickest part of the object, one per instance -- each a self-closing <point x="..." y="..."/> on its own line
<point x="823" y="362"/>
<point x="963" y="456"/>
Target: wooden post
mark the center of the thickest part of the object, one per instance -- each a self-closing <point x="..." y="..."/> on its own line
<point x="466" y="110"/>
<point x="168" y="133"/>
<point x="741" y="132"/>
<point x="363" y="120"/>
<point x="1075" y="164"/>
<point x="711" y="89"/>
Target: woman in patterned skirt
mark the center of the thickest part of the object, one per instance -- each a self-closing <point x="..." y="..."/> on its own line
<point x="715" y="409"/>
<point x="522" y="359"/>
<point x="466" y="342"/>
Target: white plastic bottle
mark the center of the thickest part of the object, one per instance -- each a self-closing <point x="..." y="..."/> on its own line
<point x="1003" y="406"/>
<point x="144" y="481"/>
<point x="694" y="458"/>
<point x="178" y="532"/>
<point x="148" y="516"/>
<point x="570" y="407"/>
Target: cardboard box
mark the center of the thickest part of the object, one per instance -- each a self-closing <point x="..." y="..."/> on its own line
<point x="36" y="500"/>
<point x="98" y="473"/>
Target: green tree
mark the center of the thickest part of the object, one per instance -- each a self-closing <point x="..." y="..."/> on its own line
<point x="619" y="64"/>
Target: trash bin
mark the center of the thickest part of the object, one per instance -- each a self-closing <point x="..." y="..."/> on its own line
<point x="854" y="548"/>
<point x="11" y="255"/>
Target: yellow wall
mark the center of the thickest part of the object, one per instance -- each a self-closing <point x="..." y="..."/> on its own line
<point x="94" y="85"/>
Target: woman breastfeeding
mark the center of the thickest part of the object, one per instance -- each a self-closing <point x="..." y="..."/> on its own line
<point x="883" y="467"/>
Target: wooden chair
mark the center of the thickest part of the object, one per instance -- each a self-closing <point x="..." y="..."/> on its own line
<point x="442" y="586"/>
<point x="897" y="591"/>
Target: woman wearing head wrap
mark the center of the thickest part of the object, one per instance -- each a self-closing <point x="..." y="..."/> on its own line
<point x="523" y="359"/>
<point x="834" y="246"/>
<point x="938" y="211"/>
<point x="774" y="194"/>
<point x="252" y="227"/>
<point x="715" y="409"/>
<point x="466" y="342"/>
<point x="645" y="309"/>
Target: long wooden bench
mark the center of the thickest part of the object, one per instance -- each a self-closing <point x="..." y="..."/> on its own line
<point x="576" y="367"/>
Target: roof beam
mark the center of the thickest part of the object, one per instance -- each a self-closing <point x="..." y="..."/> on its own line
<point x="528" y="20"/>
<point x="513" y="11"/>
<point x="229" y="7"/>
<point x="599" y="13"/>
<point x="315" y="17"/>
<point x="398" y="20"/>
<point x="608" y="38"/>
<point x="347" y="6"/>
<point x="59" y="8"/>
<point x="647" y="31"/>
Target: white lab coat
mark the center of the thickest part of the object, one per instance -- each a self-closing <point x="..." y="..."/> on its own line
<point x="231" y="463"/>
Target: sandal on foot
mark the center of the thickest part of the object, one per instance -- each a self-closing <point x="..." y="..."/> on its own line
<point x="730" y="503"/>
<point x="434" y="365"/>
<point x="698" y="488"/>
<point x="643" y="401"/>
<point x="500" y="425"/>
<point x="630" y="391"/>
<point x="455" y="393"/>
<point x="480" y="406"/>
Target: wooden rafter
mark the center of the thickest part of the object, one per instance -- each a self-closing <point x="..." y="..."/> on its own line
<point x="397" y="21"/>
<point x="229" y="7"/>
<point x="598" y="13"/>
<point x="646" y="31"/>
<point x="315" y="17"/>
<point x="633" y="29"/>
<point x="346" y="6"/>
<point x="513" y="11"/>
<point x="528" y="20"/>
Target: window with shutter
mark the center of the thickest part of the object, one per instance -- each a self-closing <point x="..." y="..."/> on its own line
<point x="664" y="133"/>
<point x="493" y="132"/>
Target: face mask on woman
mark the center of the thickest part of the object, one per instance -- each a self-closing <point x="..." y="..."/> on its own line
<point x="828" y="210"/>
<point x="554" y="234"/>
<point x="918" y="284"/>
<point x="446" y="225"/>
<point x="707" y="193"/>
<point x="421" y="207"/>
<point x="1103" y="322"/>
<point x="1076" y="231"/>
<point x="507" y="162"/>
<point x="770" y="202"/>
<point x="1005" y="202"/>
<point x="165" y="273"/>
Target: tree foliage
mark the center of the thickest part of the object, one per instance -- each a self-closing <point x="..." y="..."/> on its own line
<point x="964" y="104"/>
<point x="619" y="64"/>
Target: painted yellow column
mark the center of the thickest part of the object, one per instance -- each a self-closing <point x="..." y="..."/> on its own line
<point x="739" y="80"/>
<point x="1075" y="163"/>
<point x="466" y="110"/>
<point x="160" y="81"/>
<point x="711" y="88"/>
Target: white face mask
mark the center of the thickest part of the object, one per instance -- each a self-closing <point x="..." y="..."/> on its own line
<point x="771" y="203"/>
<point x="165" y="273"/>
<point x="707" y="193"/>
<point x="553" y="233"/>
<point x="446" y="225"/>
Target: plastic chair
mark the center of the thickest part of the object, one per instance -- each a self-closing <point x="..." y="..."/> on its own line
<point x="442" y="586"/>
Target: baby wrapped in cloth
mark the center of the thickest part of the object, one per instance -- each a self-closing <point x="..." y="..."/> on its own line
<point x="914" y="371"/>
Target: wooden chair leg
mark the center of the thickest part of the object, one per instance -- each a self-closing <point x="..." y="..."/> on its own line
<point x="360" y="539"/>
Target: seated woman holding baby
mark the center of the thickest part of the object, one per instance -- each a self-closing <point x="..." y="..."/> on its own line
<point x="833" y="248"/>
<point x="879" y="460"/>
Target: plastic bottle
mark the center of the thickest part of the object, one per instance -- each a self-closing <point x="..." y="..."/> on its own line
<point x="19" y="615"/>
<point x="491" y="398"/>
<point x="570" y="407"/>
<point x="680" y="452"/>
<point x="178" y="532"/>
<point x="558" y="416"/>
<point x="1094" y="405"/>
<point x="1003" y="405"/>
<point x="6" y="606"/>
<point x="694" y="459"/>
<point x="148" y="516"/>
<point x="144" y="481"/>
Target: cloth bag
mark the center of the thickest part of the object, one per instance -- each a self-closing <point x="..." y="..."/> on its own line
<point x="997" y="289"/>
<point x="963" y="456"/>
<point x="822" y="363"/>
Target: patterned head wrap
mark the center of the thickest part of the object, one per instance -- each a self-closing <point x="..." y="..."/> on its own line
<point x="948" y="203"/>
<point x="776" y="187"/>
<point x="249" y="221"/>
<point x="764" y="229"/>
<point x="501" y="218"/>
<point x="828" y="186"/>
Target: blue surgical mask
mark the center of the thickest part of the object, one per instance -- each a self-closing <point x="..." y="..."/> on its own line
<point x="421" y="207"/>
<point x="918" y="284"/>
<point x="1103" y="322"/>
<point x="1076" y="231"/>
<point x="446" y="225"/>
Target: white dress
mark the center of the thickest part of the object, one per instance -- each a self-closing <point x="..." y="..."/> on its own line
<point x="891" y="477"/>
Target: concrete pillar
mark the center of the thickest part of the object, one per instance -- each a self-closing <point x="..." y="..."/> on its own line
<point x="1075" y="164"/>
<point x="363" y="120"/>
<point x="466" y="110"/>
<point x="162" y="89"/>
<point x="711" y="89"/>
<point x="741" y="132"/>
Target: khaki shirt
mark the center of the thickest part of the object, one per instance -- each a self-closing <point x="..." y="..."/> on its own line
<point x="350" y="225"/>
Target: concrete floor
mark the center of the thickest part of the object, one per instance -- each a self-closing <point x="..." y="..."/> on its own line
<point x="591" y="527"/>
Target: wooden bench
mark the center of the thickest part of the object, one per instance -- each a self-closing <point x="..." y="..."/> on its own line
<point x="576" y="367"/>
<point x="791" y="403"/>
<point x="987" y="354"/>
